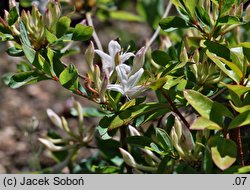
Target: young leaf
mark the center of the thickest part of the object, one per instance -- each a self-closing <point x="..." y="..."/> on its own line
<point x="24" y="35"/>
<point x="13" y="16"/>
<point x="62" y="26"/>
<point x="15" y="52"/>
<point x="82" y="32"/>
<point x="69" y="78"/>
<point x="218" y="49"/>
<point x="203" y="15"/>
<point x="228" y="20"/>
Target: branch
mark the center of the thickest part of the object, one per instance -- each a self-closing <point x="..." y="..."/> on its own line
<point x="156" y="33"/>
<point x="95" y="36"/>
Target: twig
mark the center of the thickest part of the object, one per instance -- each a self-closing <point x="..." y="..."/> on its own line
<point x="95" y="36"/>
<point x="174" y="109"/>
<point x="156" y="33"/>
<point x="240" y="147"/>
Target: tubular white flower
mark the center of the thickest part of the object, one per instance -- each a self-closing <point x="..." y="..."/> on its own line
<point x="109" y="61"/>
<point x="127" y="86"/>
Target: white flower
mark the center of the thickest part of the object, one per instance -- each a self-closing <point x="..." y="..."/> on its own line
<point x="114" y="58"/>
<point x="128" y="81"/>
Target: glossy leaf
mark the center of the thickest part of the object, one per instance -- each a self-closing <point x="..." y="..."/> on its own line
<point x="15" y="52"/>
<point x="139" y="141"/>
<point x="224" y="151"/>
<point x="164" y="139"/>
<point x="126" y="116"/>
<point x="200" y="103"/>
<point x="240" y="120"/>
<point x="161" y="57"/>
<point x="82" y="32"/>
<point x="173" y="22"/>
<point x="238" y="89"/>
<point x="24" y="35"/>
<point x="24" y="78"/>
<point x="218" y="49"/>
<point x="228" y="20"/>
<point x="235" y="73"/>
<point x="203" y="15"/>
<point x="69" y="78"/>
<point x="202" y="123"/>
<point x="13" y="16"/>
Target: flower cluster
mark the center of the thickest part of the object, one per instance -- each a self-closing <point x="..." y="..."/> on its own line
<point x="127" y="76"/>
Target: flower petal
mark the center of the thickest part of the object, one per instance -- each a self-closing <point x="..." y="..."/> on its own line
<point x="121" y="72"/>
<point x="124" y="57"/>
<point x="116" y="87"/>
<point x="135" y="91"/>
<point x="133" y="80"/>
<point x="138" y="60"/>
<point x="114" y="47"/>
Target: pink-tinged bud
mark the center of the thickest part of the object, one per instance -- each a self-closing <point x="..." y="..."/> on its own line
<point x="6" y="15"/>
<point x="103" y="89"/>
<point x="239" y="10"/>
<point x="57" y="9"/>
<point x="89" y="56"/>
<point x="138" y="60"/>
<point x="232" y="11"/>
<point x="12" y="3"/>
<point x="128" y="158"/>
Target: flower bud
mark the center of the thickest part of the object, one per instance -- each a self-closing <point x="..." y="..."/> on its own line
<point x="89" y="56"/>
<point x="232" y="11"/>
<point x="239" y="10"/>
<point x="138" y="60"/>
<point x="247" y="16"/>
<point x="51" y="146"/>
<point x="55" y="119"/>
<point x="128" y="158"/>
<point x="12" y="3"/>
<point x="103" y="89"/>
<point x="133" y="131"/>
<point x="65" y="125"/>
<point x="196" y="56"/>
<point x="184" y="55"/>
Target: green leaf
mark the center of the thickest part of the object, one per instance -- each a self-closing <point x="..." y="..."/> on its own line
<point x="207" y="162"/>
<point x="50" y="37"/>
<point x="224" y="151"/>
<point x="203" y="15"/>
<point x="62" y="26"/>
<point x="228" y="20"/>
<point x="13" y="16"/>
<point x="24" y="35"/>
<point x="238" y="89"/>
<point x="161" y="58"/>
<point x="15" y="52"/>
<point x="24" y="78"/>
<point x="240" y="120"/>
<point x="82" y="32"/>
<point x="199" y="102"/>
<point x="202" y="123"/>
<point x="30" y="53"/>
<point x="128" y="115"/>
<point x="157" y="84"/>
<point x="241" y="109"/>
<point x="218" y="49"/>
<point x="126" y="16"/>
<point x="139" y="141"/>
<point x="69" y="78"/>
<point x="234" y="72"/>
<point x="226" y="4"/>
<point x="163" y="139"/>
<point x="191" y="4"/>
<point x="173" y="22"/>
